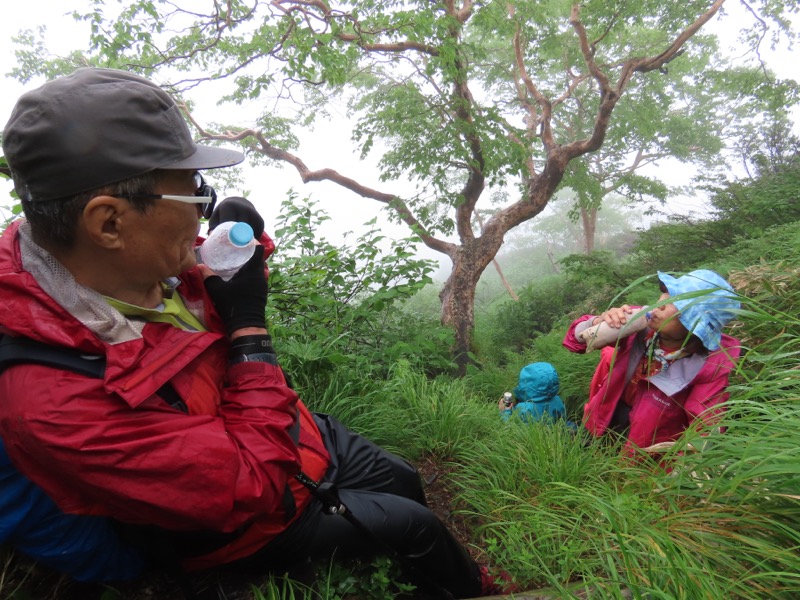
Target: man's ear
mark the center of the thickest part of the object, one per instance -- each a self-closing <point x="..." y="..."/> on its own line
<point x="103" y="220"/>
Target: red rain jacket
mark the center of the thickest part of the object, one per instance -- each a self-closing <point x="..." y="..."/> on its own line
<point x="113" y="447"/>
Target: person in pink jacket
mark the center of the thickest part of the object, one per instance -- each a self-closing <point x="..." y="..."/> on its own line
<point x="652" y="384"/>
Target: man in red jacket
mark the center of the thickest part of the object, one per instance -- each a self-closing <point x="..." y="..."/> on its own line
<point x="192" y="429"/>
<point x="652" y="384"/>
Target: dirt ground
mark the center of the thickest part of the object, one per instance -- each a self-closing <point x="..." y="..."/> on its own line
<point x="441" y="501"/>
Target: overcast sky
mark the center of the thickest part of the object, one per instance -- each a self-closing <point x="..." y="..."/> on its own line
<point x="268" y="185"/>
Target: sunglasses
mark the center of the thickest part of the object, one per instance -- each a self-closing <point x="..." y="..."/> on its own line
<point x="204" y="195"/>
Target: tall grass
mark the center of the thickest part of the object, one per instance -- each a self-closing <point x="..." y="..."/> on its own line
<point x="717" y="516"/>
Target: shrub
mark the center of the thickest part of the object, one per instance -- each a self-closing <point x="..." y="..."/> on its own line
<point x="540" y="305"/>
<point x="331" y="306"/>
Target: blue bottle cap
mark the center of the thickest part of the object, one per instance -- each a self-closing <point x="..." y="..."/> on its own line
<point x="240" y="234"/>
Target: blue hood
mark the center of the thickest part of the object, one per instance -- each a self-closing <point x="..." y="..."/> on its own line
<point x="538" y="382"/>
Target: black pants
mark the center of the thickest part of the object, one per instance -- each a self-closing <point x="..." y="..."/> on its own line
<point x="385" y="494"/>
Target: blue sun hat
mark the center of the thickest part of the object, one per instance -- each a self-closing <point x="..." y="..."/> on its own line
<point x="706" y="314"/>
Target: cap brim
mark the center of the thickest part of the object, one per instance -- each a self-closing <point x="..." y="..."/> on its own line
<point x="208" y="157"/>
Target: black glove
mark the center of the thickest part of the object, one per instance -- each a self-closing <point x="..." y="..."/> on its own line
<point x="237" y="209"/>
<point x="241" y="302"/>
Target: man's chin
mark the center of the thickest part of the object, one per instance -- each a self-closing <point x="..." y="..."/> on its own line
<point x="189" y="263"/>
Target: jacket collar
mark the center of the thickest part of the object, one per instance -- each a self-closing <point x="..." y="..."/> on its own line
<point x="46" y="303"/>
<point x="83" y="303"/>
<point x="679" y="375"/>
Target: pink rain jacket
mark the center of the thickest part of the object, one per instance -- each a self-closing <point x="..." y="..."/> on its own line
<point x="666" y="404"/>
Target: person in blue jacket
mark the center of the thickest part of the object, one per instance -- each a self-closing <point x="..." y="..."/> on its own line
<point x="536" y="396"/>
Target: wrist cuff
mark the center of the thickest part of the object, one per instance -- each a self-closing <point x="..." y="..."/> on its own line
<point x="251" y="344"/>
<point x="265" y="357"/>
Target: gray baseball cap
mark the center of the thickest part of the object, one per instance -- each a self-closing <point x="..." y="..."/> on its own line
<point x="96" y="127"/>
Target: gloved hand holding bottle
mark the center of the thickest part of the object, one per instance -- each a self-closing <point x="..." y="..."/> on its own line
<point x="241" y="296"/>
<point x="241" y="301"/>
<point x="227" y="248"/>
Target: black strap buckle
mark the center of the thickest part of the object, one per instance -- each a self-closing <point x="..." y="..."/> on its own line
<point x="329" y="496"/>
<point x="325" y="492"/>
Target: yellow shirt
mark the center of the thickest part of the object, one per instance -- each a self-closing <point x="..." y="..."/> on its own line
<point x="172" y="310"/>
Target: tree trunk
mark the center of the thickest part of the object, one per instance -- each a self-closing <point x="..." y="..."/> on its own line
<point x="553" y="262"/>
<point x="589" y="223"/>
<point x="458" y="312"/>
<point x="458" y="295"/>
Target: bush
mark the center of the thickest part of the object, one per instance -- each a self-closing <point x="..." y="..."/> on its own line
<point x="778" y="243"/>
<point x="540" y="305"/>
<point x="680" y="245"/>
<point x="334" y="307"/>
<point x="751" y="207"/>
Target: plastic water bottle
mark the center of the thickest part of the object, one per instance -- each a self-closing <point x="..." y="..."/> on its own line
<point x="227" y="248"/>
<point x="602" y="334"/>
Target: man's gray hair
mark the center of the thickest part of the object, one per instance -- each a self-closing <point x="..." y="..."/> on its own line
<point x="54" y="222"/>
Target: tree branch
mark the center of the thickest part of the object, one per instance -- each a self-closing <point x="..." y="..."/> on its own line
<point x="393" y="47"/>
<point x="464" y="105"/>
<point x="610" y="95"/>
<point x="761" y="37"/>
<point x="644" y="65"/>
<point x="328" y="15"/>
<point x="588" y="52"/>
<point x="465" y="12"/>
<point x="397" y="204"/>
<point x="544" y="104"/>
